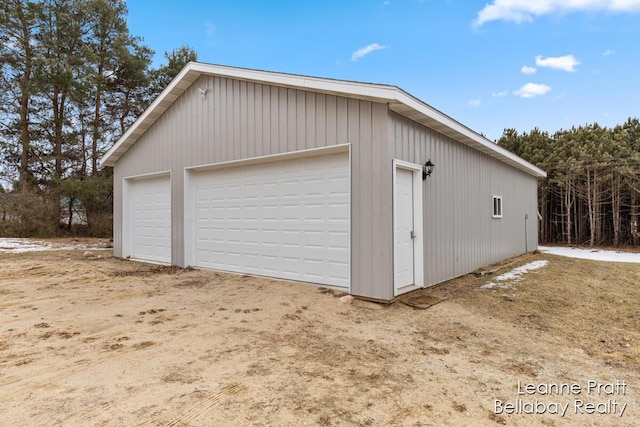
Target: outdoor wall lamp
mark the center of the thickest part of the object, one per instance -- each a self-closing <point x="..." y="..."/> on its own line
<point x="427" y="169"/>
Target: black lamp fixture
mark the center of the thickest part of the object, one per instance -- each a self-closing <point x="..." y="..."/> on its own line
<point x="427" y="169"/>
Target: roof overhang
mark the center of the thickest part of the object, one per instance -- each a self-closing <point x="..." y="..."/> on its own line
<point x="397" y="99"/>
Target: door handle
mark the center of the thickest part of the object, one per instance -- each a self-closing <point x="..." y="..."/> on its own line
<point x="413" y="234"/>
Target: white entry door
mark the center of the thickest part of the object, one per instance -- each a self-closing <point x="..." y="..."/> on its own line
<point x="407" y="227"/>
<point x="404" y="232"/>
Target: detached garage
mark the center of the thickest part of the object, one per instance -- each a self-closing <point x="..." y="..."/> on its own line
<point x="315" y="180"/>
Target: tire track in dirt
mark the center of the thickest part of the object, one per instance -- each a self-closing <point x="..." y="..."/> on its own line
<point x="20" y="301"/>
<point x="199" y="408"/>
<point x="52" y="377"/>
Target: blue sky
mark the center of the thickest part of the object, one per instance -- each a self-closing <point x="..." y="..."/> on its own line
<point x="490" y="64"/>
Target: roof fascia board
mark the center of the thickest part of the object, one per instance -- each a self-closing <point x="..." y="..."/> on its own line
<point x="106" y="160"/>
<point x="367" y="90"/>
<point x="370" y="91"/>
<point x="462" y="130"/>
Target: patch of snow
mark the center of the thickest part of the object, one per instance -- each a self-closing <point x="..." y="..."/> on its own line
<point x="592" y="254"/>
<point x="514" y="276"/>
<point x="20" y="245"/>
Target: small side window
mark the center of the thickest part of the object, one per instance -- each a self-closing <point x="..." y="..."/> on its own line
<point x="497" y="206"/>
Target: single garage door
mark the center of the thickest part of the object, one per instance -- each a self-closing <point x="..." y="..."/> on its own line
<point x="287" y="219"/>
<point x="150" y="219"/>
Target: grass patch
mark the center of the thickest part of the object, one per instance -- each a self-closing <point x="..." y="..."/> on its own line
<point x="593" y="304"/>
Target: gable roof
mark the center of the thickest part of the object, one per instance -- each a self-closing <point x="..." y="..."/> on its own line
<point x="398" y="100"/>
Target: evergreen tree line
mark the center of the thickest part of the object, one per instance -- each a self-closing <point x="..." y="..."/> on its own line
<point x="592" y="192"/>
<point x="72" y="79"/>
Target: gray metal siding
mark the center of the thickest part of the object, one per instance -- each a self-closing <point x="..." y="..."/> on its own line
<point x="460" y="233"/>
<point x="237" y="120"/>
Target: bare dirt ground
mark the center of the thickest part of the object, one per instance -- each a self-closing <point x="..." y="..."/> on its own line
<point x="109" y="342"/>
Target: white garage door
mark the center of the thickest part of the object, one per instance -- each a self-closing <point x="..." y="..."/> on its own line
<point x="150" y="219"/>
<point x="287" y="219"/>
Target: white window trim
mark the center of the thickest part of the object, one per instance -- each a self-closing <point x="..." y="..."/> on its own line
<point x="493" y="206"/>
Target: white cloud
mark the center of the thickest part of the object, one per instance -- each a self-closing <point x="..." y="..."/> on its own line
<point x="366" y="50"/>
<point x="531" y="90"/>
<point x="525" y="10"/>
<point x="474" y="103"/>
<point x="565" y="63"/>
<point x="500" y="94"/>
<point x="528" y="70"/>
<point x="608" y="52"/>
<point x="210" y="29"/>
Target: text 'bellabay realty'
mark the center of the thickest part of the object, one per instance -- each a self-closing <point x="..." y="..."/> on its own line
<point x="601" y="398"/>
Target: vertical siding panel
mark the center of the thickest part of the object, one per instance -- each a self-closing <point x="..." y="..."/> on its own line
<point x="331" y="120"/>
<point x="310" y="121"/>
<point x="485" y="211"/>
<point x="235" y="106"/>
<point x="464" y="218"/>
<point x="437" y="181"/>
<point x="350" y="127"/>
<point x="217" y="90"/>
<point x="341" y="119"/>
<point x="196" y="147"/>
<point x="201" y="151"/>
<point x="365" y="194"/>
<point x="212" y="124"/>
<point x="444" y="214"/>
<point x="225" y="138"/>
<point x="381" y="202"/>
<point x="275" y="125"/>
<point x="457" y="206"/>
<point x="422" y="149"/>
<point x="476" y="226"/>
<point x="449" y="153"/>
<point x="320" y="139"/>
<point x="405" y="141"/>
<point x="432" y="217"/>
<point x="249" y="122"/>
<point x="206" y="124"/>
<point x="282" y="121"/>
<point x="258" y="127"/>
<point x="454" y="163"/>
<point x="293" y="139"/>
<point x="229" y="132"/>
<point x="411" y="153"/>
<point x="266" y="119"/>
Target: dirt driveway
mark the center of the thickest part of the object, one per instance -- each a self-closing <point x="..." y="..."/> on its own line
<point x="108" y="342"/>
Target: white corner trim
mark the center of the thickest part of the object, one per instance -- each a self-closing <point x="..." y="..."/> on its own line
<point x="189" y="218"/>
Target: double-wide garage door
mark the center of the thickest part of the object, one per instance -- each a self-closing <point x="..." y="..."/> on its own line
<point x="288" y="219"/>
